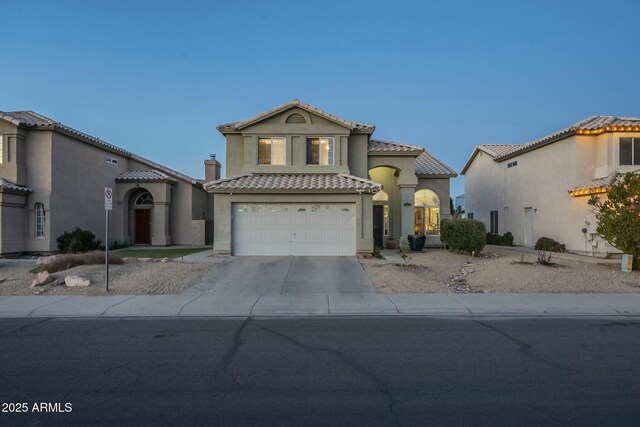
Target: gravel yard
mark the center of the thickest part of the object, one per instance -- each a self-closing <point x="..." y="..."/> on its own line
<point x="146" y="278"/>
<point x="497" y="270"/>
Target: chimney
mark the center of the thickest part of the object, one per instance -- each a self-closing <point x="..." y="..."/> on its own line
<point x="211" y="169"/>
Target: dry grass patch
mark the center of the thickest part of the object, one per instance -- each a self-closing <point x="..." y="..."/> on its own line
<point x="67" y="261"/>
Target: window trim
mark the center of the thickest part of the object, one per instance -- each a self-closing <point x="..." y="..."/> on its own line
<point x="40" y="221"/>
<point x="493" y="221"/>
<point x="272" y="138"/>
<point x="1" y="149"/>
<point x="111" y="160"/>
<point x="634" y="141"/>
<point x="330" y="156"/>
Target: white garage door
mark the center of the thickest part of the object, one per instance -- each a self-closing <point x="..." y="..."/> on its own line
<point x="293" y="228"/>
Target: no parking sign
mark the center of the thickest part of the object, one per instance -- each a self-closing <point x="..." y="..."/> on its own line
<point x="108" y="198"/>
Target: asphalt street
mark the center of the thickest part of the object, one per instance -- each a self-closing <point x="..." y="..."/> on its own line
<point x="320" y="371"/>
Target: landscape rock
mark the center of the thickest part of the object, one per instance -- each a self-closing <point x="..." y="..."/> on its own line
<point x="41" y="279"/>
<point x="58" y="282"/>
<point x="129" y="259"/>
<point x="165" y="260"/>
<point x="145" y="259"/>
<point x="76" y="281"/>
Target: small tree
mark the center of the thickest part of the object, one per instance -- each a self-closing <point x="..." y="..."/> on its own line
<point x="618" y="216"/>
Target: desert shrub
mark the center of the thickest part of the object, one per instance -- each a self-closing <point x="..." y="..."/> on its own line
<point x="549" y="245"/>
<point x="78" y="241"/>
<point x="463" y="234"/>
<point x="507" y="239"/>
<point x="67" y="261"/>
<point x="501" y="240"/>
<point x="617" y="214"/>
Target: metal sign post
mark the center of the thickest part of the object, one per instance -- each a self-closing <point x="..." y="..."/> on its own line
<point x="108" y="205"/>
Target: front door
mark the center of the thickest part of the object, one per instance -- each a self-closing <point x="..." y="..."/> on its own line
<point x="378" y="225"/>
<point x="143" y="226"/>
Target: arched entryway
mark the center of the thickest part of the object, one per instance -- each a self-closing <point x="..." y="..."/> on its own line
<point x="426" y="213"/>
<point x="142" y="217"/>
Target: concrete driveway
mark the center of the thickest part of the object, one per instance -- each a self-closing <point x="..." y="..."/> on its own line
<point x="286" y="275"/>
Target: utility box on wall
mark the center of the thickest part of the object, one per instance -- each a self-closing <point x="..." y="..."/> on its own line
<point x="627" y="263"/>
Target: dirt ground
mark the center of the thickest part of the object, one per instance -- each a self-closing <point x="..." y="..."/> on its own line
<point x="125" y="279"/>
<point x="497" y="270"/>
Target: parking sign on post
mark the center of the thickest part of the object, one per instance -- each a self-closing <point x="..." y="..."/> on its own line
<point x="108" y="198"/>
<point x="108" y="205"/>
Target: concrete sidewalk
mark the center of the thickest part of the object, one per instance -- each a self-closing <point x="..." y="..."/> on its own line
<point x="531" y="305"/>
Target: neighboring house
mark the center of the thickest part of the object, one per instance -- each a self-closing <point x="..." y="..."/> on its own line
<point x="53" y="178"/>
<point x="541" y="189"/>
<point x="302" y="181"/>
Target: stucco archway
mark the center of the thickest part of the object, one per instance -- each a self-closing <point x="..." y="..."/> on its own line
<point x="426" y="213"/>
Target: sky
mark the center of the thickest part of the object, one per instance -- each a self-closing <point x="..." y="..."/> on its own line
<point x="156" y="77"/>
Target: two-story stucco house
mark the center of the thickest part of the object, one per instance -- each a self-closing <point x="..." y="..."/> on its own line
<point x="53" y="179"/>
<point x="541" y="189"/>
<point x="302" y="181"/>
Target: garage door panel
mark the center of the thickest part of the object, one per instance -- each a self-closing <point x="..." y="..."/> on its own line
<point x="293" y="229"/>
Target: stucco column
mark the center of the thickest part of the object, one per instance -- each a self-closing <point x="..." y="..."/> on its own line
<point x="407" y="194"/>
<point x="161" y="224"/>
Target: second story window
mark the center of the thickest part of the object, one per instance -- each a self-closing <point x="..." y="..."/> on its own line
<point x="271" y="151"/>
<point x="320" y="151"/>
<point x="629" y="151"/>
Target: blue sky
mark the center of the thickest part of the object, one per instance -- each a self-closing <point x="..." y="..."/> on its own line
<point x="157" y="77"/>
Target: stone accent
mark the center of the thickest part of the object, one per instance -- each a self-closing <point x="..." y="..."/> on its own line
<point x="41" y="279"/>
<point x="76" y="281"/>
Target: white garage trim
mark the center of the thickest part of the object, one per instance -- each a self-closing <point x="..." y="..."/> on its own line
<point x="293" y="229"/>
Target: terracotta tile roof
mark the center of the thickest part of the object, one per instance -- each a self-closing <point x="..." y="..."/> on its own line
<point x="598" y="185"/>
<point x="426" y="164"/>
<point x="11" y="187"/>
<point x="294" y="182"/>
<point x="591" y="126"/>
<point x="355" y="126"/>
<point x="497" y="150"/>
<point x="379" y="146"/>
<point x="32" y="119"/>
<point x="145" y="176"/>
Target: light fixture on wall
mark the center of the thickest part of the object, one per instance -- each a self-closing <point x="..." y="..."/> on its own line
<point x="137" y="186"/>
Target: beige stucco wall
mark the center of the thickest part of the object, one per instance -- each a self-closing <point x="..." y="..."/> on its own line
<point x="13" y="156"/>
<point x="13" y="222"/>
<point x="69" y="176"/>
<point x="541" y="181"/>
<point x="242" y="150"/>
<point x="484" y="190"/>
<point x="222" y="213"/>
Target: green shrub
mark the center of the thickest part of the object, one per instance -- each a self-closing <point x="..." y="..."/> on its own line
<point x="507" y="239"/>
<point x="463" y="234"/>
<point x="549" y="245"/>
<point x="78" y="241"/>
<point x="501" y="240"/>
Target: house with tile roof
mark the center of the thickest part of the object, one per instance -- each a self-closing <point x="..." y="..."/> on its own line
<point x="302" y="181"/>
<point x="541" y="188"/>
<point x="53" y="179"/>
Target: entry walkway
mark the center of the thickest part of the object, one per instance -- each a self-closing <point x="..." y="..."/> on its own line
<point x="528" y="305"/>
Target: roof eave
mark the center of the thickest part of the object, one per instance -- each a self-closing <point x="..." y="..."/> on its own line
<point x="555" y="138"/>
<point x="437" y="175"/>
<point x="284" y="191"/>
